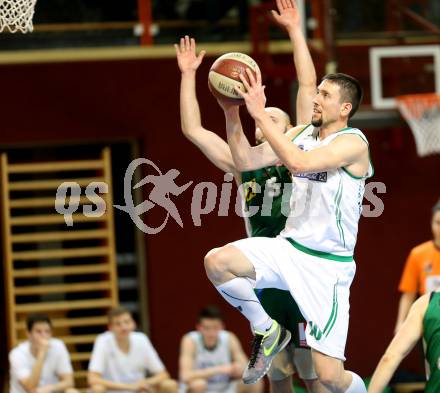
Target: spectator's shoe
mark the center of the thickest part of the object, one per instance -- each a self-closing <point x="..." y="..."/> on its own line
<point x="264" y="348"/>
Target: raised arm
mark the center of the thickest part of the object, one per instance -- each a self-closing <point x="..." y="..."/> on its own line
<point x="404" y="341"/>
<point x="245" y="156"/>
<point x="211" y="145"/>
<point x="344" y="151"/>
<point x="290" y="19"/>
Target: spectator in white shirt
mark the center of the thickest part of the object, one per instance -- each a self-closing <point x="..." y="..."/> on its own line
<point x="124" y="361"/>
<point x="41" y="364"/>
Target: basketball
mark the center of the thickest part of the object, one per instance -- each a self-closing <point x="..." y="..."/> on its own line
<point x="225" y="74"/>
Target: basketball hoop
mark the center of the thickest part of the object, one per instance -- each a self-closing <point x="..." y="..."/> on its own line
<point x="16" y="15"/>
<point x="422" y="112"/>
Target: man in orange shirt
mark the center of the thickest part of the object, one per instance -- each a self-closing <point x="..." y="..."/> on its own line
<point x="422" y="270"/>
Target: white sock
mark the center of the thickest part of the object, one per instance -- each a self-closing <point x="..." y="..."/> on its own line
<point x="357" y="385"/>
<point x="240" y="294"/>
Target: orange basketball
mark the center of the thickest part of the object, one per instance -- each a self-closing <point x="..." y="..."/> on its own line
<point x="224" y="75"/>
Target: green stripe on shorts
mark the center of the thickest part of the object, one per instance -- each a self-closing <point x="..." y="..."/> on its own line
<point x="319" y="254"/>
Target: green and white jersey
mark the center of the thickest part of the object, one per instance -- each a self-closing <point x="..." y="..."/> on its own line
<point x="431" y="335"/>
<point x="263" y="190"/>
<point x="325" y="207"/>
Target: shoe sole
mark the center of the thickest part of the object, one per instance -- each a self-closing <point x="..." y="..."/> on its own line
<point x="282" y="346"/>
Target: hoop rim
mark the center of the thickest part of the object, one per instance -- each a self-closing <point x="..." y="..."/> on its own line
<point x="414" y="105"/>
<point x="425" y="97"/>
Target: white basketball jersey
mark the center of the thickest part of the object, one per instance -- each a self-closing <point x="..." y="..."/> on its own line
<point x="325" y="207"/>
<point x="220" y="355"/>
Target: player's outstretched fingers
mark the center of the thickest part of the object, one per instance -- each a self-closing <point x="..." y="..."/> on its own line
<point x="251" y="77"/>
<point x="240" y="92"/>
<point x="192" y="43"/>
<point x="187" y="43"/>
<point x="246" y="84"/>
<point x="201" y="56"/>
<point x="285" y="4"/>
<point x="182" y="45"/>
<point x="258" y="73"/>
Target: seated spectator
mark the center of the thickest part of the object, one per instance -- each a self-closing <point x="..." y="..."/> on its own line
<point x="212" y="359"/>
<point x="124" y="361"/>
<point x="41" y="364"/>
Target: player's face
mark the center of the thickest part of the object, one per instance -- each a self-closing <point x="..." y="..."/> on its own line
<point x="122" y="325"/>
<point x="210" y="328"/>
<point x="436" y="226"/>
<point x="40" y="331"/>
<point x="327" y="105"/>
<point x="280" y="121"/>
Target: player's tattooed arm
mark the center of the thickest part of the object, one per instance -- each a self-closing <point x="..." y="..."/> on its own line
<point x="211" y="145"/>
<point x="404" y="341"/>
<point x="288" y="17"/>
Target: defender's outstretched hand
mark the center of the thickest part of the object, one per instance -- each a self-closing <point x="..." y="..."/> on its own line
<point x="288" y="14"/>
<point x="254" y="96"/>
<point x="186" y="55"/>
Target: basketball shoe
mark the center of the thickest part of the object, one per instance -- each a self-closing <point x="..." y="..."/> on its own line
<point x="264" y="348"/>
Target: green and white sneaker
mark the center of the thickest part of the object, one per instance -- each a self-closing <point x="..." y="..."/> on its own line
<point x="264" y="348"/>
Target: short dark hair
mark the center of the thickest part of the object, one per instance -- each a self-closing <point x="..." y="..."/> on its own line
<point x="351" y="90"/>
<point x="32" y="319"/>
<point x="436" y="207"/>
<point x="116" y="312"/>
<point x="210" y="312"/>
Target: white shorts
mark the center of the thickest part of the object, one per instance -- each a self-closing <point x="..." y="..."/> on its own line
<point x="320" y="287"/>
<point x="291" y="360"/>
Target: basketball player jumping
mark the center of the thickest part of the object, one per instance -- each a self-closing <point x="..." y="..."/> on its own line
<point x="278" y="303"/>
<point x="313" y="256"/>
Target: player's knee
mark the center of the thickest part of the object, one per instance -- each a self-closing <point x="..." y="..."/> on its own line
<point x="330" y="370"/>
<point x="168" y="386"/>
<point x="329" y="377"/>
<point x="97" y="389"/>
<point x="197" y="386"/>
<point x="216" y="264"/>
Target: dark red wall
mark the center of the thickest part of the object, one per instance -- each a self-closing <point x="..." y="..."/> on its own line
<point x="139" y="99"/>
